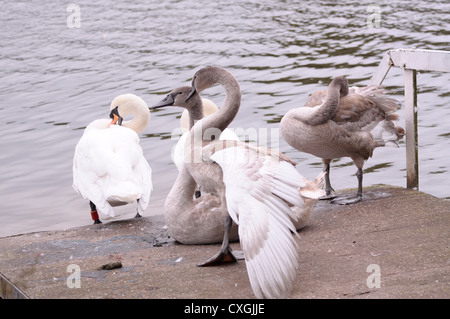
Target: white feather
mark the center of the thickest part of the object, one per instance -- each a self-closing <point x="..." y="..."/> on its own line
<point x="258" y="188"/>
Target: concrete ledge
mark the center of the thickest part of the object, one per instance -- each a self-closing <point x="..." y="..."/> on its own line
<point x="404" y="233"/>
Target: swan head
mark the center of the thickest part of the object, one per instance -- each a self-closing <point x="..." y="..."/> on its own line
<point x="178" y="97"/>
<point x="126" y="104"/>
<point x="195" y="108"/>
<point x="342" y="82"/>
<point x="205" y="78"/>
<point x="115" y="116"/>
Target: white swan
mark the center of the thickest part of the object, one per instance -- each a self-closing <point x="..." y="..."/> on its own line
<point x="109" y="168"/>
<point x="343" y="122"/>
<point x="254" y="185"/>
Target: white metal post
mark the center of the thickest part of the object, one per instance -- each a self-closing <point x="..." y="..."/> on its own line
<point x="411" y="60"/>
<point x="412" y="154"/>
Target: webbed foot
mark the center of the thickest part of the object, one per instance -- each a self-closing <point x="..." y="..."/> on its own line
<point x="328" y="196"/>
<point x="223" y="256"/>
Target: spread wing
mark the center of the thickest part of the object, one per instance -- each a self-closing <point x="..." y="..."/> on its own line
<point x="259" y="185"/>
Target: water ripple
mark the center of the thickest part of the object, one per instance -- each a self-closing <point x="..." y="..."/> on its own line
<point x="55" y="80"/>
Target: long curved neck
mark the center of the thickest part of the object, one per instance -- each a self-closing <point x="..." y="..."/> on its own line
<point x="141" y="117"/>
<point x="180" y="198"/>
<point x="195" y="111"/>
<point x="225" y="115"/>
<point x="337" y="89"/>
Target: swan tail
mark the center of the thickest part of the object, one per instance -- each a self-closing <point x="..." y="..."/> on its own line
<point x="386" y="132"/>
<point x="314" y="189"/>
<point x="105" y="208"/>
<point x="122" y="192"/>
<point x="377" y="94"/>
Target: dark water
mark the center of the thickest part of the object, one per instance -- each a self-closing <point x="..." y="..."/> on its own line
<point x="56" y="79"/>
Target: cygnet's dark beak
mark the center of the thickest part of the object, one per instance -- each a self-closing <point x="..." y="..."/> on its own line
<point x="167" y="101"/>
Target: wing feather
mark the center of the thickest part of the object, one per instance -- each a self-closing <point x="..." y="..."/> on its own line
<point x="259" y="187"/>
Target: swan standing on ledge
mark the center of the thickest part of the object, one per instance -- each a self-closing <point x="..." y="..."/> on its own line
<point x="109" y="168"/>
<point x="342" y="122"/>
<point x="254" y="185"/>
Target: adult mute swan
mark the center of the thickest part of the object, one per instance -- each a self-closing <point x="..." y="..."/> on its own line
<point x="343" y="122"/>
<point x="254" y="186"/>
<point x="109" y="168"/>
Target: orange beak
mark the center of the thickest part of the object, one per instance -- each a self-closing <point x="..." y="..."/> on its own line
<point x="115" y="119"/>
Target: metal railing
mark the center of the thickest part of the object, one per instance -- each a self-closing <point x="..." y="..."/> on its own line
<point x="10" y="291"/>
<point x="411" y="60"/>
